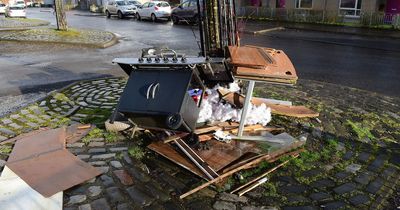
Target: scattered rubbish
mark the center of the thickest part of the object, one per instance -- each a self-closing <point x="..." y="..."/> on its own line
<point x="237" y="100"/>
<point x="221" y="136"/>
<point x="258" y="180"/>
<point x="212" y="110"/>
<point x="266" y="157"/>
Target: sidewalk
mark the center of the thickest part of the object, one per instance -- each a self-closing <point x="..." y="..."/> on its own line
<point x="251" y="26"/>
<point x="352" y="165"/>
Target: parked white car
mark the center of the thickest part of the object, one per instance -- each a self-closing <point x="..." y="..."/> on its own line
<point x="20" y="3"/>
<point x="2" y="8"/>
<point x="120" y="8"/>
<point x="14" y="12"/>
<point x="154" y="10"/>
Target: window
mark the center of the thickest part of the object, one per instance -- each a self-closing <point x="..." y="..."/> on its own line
<point x="146" y="5"/>
<point x="350" y="7"/>
<point x="185" y="4"/>
<point x="304" y="4"/>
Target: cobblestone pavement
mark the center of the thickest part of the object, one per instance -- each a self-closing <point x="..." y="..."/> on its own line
<point x="72" y="36"/>
<point x="352" y="161"/>
<point x="21" y="23"/>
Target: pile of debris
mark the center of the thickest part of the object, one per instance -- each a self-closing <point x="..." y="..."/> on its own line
<point x="212" y="132"/>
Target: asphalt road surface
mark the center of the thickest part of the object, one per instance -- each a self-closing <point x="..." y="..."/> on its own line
<point x="366" y="63"/>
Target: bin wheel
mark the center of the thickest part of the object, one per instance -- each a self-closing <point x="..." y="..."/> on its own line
<point x="174" y="121"/>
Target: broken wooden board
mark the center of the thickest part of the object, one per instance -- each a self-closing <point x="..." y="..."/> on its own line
<point x="266" y="157"/>
<point x="171" y="154"/>
<point x="41" y="142"/>
<point x="52" y="172"/>
<point x="237" y="100"/>
<point x="217" y="157"/>
<point x="42" y="161"/>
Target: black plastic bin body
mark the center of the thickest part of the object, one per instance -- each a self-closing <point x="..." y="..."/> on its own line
<point x="158" y="98"/>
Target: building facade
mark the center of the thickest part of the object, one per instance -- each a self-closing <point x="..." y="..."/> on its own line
<point x="344" y="7"/>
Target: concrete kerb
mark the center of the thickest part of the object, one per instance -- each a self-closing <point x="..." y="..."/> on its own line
<point x="110" y="43"/>
<point x="264" y="30"/>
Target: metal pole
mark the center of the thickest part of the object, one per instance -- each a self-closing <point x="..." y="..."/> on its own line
<point x="246" y="107"/>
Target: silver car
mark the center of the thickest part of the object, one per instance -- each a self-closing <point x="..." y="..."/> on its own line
<point x="154" y="10"/>
<point x="120" y="8"/>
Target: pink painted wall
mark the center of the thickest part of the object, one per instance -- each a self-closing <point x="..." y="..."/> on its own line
<point x="393" y="7"/>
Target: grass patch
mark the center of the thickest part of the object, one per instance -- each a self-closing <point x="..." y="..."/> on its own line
<point x="360" y="130"/>
<point x="94" y="133"/>
<point x="70" y="32"/>
<point x="5" y="149"/>
<point x="270" y="189"/>
<point x="95" y="116"/>
<point x="111" y="137"/>
<point x="61" y="122"/>
<point x="61" y="97"/>
<point x="136" y="152"/>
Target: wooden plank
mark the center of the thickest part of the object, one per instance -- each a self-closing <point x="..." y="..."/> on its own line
<point x="255" y="161"/>
<point x="175" y="137"/>
<point x="293" y="111"/>
<point x="206" y="129"/>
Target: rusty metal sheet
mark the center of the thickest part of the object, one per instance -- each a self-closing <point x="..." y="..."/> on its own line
<point x="52" y="172"/>
<point x="39" y="143"/>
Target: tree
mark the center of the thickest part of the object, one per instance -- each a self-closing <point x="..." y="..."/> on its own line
<point x="60" y="15"/>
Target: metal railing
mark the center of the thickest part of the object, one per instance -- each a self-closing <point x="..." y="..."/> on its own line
<point x="372" y="19"/>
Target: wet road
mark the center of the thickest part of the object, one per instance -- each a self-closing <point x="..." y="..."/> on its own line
<point x="360" y="62"/>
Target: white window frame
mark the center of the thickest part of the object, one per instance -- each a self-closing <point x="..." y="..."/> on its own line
<point x="351" y="9"/>
<point x="298" y="6"/>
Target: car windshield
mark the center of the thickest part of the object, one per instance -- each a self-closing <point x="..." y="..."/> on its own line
<point x="121" y="3"/>
<point x="163" y="4"/>
<point x="134" y="2"/>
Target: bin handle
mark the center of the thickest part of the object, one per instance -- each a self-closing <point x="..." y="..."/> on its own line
<point x="155" y="87"/>
<point x="148" y="90"/>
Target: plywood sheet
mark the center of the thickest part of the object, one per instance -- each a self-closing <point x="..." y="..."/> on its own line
<point x="52" y="172"/>
<point x="41" y="142"/>
<point x="42" y="161"/>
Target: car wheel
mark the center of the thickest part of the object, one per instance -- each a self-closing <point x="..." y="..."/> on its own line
<point x="120" y="15"/>
<point x="175" y="19"/>
<point x="108" y="14"/>
<point x="138" y="16"/>
<point x="153" y="17"/>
